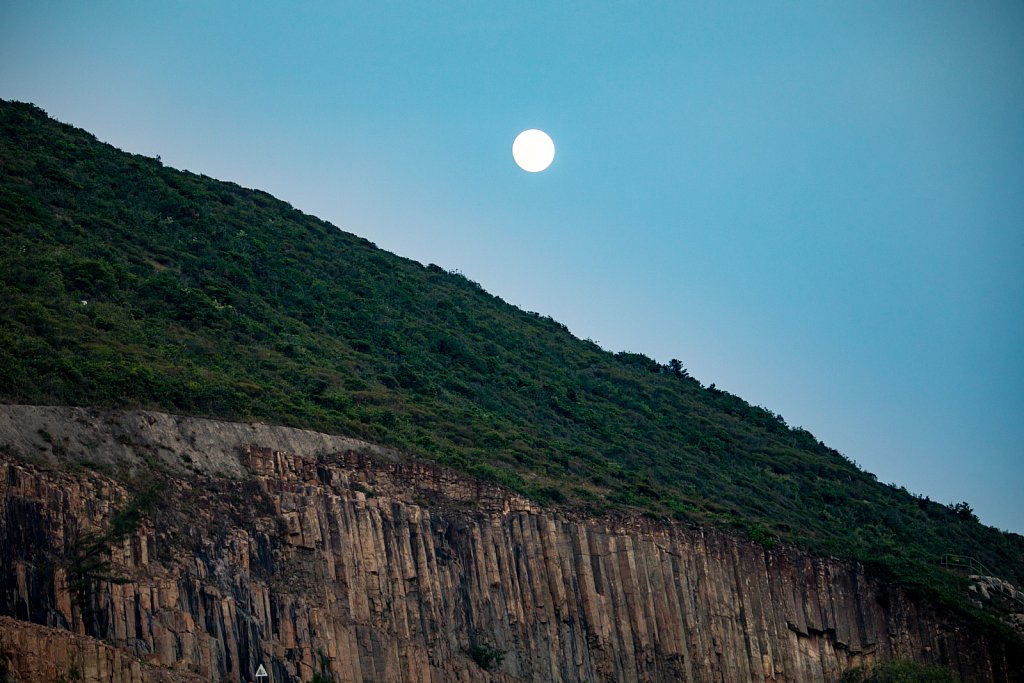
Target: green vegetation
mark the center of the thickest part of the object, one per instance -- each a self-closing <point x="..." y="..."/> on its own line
<point x="127" y="284"/>
<point x="487" y="657"/>
<point x="72" y="675"/>
<point x="900" y="672"/>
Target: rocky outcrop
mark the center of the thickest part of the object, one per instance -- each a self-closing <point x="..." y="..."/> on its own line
<point x="132" y="440"/>
<point x="353" y="562"/>
<point x="30" y="652"/>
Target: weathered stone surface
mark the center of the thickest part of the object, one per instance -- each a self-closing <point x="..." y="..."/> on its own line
<point x="394" y="570"/>
<point x="38" y="653"/>
<point x="137" y="438"/>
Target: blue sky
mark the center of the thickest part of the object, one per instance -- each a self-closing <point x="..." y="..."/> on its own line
<point x="816" y="206"/>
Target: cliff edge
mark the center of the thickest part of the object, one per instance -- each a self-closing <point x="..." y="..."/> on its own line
<point x="139" y="546"/>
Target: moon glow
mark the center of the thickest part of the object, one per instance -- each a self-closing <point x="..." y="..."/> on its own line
<point x="533" y="150"/>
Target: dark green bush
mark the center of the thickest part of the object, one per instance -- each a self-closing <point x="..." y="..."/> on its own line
<point x="486" y="656"/>
<point x="900" y="671"/>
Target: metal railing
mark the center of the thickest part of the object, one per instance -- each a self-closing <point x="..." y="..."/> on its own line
<point x="976" y="568"/>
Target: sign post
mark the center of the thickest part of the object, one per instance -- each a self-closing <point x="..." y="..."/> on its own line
<point x="261" y="673"/>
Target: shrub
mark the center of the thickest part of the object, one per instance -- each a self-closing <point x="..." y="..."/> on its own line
<point x="486" y="656"/>
<point x="900" y="671"/>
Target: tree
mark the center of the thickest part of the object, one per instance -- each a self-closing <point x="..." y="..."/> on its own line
<point x="964" y="511"/>
<point x="677" y="369"/>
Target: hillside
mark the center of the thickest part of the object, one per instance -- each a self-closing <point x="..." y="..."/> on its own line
<point x="128" y="284"/>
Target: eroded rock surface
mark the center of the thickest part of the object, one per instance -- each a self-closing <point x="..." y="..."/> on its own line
<point x="383" y="569"/>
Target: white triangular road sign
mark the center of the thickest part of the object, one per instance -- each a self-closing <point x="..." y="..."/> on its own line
<point x="261" y="672"/>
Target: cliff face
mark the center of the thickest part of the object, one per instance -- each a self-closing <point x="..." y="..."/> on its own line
<point x="344" y="558"/>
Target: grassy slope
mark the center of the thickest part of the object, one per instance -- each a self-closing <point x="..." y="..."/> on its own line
<point x="210" y="299"/>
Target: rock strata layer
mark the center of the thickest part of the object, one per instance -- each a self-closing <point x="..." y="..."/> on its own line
<point x="368" y="567"/>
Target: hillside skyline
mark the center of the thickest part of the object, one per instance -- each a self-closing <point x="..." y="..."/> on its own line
<point x="832" y="233"/>
<point x="128" y="284"/>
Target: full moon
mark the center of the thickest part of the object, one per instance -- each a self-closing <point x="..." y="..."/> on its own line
<point x="533" y="150"/>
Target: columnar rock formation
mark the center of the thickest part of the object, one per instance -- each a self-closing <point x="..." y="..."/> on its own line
<point x="373" y="568"/>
